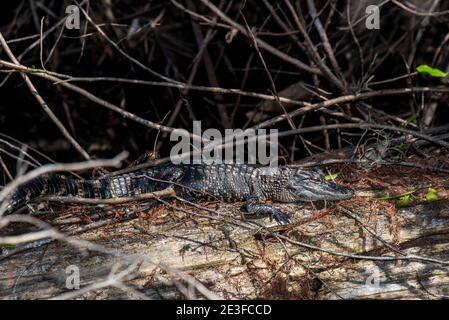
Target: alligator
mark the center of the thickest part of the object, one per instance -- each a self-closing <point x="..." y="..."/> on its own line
<point x="252" y="184"/>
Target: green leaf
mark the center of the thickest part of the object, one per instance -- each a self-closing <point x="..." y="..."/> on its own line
<point x="432" y="195"/>
<point x="400" y="196"/>
<point x="402" y="146"/>
<point x="410" y="119"/>
<point x="434" y="72"/>
<point x="33" y="67"/>
<point x="331" y="177"/>
<point x="404" y="201"/>
<point x="8" y="246"/>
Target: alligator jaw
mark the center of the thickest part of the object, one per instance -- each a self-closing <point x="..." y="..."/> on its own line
<point x="326" y="191"/>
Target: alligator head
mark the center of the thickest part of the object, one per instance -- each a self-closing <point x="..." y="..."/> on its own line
<point x="311" y="185"/>
<point x="289" y="184"/>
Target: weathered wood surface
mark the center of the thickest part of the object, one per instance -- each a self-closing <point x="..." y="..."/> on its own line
<point x="233" y="262"/>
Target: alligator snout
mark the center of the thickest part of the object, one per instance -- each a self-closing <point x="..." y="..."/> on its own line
<point x="328" y="191"/>
<point x="340" y="192"/>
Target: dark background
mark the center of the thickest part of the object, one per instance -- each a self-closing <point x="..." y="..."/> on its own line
<point x="170" y="48"/>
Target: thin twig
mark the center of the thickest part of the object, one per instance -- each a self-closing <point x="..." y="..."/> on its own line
<point x="43" y="104"/>
<point x="262" y="44"/>
<point x="169" y="192"/>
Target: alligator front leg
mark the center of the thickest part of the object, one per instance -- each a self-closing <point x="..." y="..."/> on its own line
<point x="260" y="209"/>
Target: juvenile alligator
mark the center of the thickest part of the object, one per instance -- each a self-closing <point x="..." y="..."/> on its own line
<point x="255" y="185"/>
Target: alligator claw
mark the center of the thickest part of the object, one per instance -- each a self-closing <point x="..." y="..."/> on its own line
<point x="280" y="217"/>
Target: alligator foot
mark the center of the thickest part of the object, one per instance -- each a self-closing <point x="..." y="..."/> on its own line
<point x="261" y="209"/>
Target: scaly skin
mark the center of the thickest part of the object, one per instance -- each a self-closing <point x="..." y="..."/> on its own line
<point x="227" y="182"/>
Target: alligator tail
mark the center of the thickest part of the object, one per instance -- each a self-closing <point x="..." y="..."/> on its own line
<point x="126" y="185"/>
<point x="57" y="185"/>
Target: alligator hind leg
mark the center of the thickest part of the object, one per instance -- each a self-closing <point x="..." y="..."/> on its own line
<point x="261" y="209"/>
